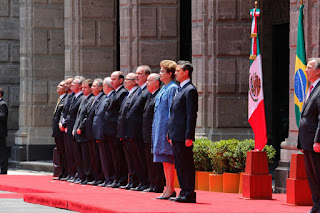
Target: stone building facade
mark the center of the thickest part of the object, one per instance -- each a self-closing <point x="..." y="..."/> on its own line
<point x="95" y="37"/>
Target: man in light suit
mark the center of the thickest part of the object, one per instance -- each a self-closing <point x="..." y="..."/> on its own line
<point x="182" y="123"/>
<point x="309" y="131"/>
<point x="57" y="134"/>
<point x="3" y="134"/>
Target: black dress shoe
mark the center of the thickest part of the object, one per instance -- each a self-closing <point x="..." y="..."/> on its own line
<point x="157" y="190"/>
<point x="65" y="178"/>
<point x="85" y="181"/>
<point x="71" y="178"/>
<point x="149" y="190"/>
<point x="115" y="185"/>
<point x="314" y="210"/>
<point x="77" y="180"/>
<point x="140" y="188"/>
<point x="166" y="198"/>
<point x="55" y="178"/>
<point x="95" y="182"/>
<point x="190" y="198"/>
<point x="104" y="184"/>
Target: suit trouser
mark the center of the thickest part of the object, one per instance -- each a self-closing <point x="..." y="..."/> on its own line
<point x="139" y="160"/>
<point x="128" y="147"/>
<point x="106" y="160"/>
<point x="82" y="157"/>
<point x="59" y="141"/>
<point x="119" y="161"/>
<point x="155" y="170"/>
<point x="69" y="150"/>
<point x="95" y="160"/>
<point x="183" y="158"/>
<point x="3" y="156"/>
<point x="312" y="164"/>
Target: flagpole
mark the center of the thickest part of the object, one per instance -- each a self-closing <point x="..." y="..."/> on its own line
<point x="256" y="4"/>
<point x="301" y="2"/>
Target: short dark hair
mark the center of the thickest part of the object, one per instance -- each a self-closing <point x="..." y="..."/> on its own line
<point x="1" y="92"/>
<point x="89" y="82"/>
<point x="186" y="65"/>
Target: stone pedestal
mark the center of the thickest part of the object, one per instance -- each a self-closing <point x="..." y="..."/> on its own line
<point x="41" y="69"/>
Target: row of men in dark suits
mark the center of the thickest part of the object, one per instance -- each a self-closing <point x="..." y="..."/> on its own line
<point x="102" y="132"/>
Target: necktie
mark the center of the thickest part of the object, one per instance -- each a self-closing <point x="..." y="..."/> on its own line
<point x="309" y="91"/>
<point x="139" y="91"/>
<point x="57" y="104"/>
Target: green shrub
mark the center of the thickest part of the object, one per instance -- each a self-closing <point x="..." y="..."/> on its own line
<point x="201" y="149"/>
<point x="230" y="155"/>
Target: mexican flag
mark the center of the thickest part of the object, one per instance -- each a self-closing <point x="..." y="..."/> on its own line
<point x="300" y="79"/>
<point x="256" y="110"/>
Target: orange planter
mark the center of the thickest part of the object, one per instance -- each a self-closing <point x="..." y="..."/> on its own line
<point x="196" y="181"/>
<point x="215" y="183"/>
<point x="240" y="183"/>
<point x="231" y="182"/>
<point x="203" y="180"/>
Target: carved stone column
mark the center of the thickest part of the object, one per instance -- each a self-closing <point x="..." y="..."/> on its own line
<point x="41" y="68"/>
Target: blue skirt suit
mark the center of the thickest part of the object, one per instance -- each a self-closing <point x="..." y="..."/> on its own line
<point x="161" y="149"/>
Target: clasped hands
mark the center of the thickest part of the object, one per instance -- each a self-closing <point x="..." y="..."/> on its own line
<point x="188" y="142"/>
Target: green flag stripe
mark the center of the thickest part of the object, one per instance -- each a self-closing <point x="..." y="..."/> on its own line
<point x="301" y="53"/>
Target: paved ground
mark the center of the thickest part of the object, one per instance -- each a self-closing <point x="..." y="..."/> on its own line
<point x="18" y="205"/>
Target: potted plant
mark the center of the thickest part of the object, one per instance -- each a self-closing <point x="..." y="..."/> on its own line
<point x="202" y="163"/>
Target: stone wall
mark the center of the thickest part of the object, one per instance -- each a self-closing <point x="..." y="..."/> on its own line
<point x="9" y="61"/>
<point x="91" y="37"/>
<point x="220" y="51"/>
<point x="148" y="33"/>
<point x="41" y="69"/>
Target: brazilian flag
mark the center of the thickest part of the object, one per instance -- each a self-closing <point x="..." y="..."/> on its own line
<point x="300" y="79"/>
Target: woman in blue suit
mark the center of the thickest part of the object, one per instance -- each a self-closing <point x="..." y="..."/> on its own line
<point x="161" y="149"/>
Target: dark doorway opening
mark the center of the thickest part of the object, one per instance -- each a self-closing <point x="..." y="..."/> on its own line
<point x="185" y="30"/>
<point x="280" y="84"/>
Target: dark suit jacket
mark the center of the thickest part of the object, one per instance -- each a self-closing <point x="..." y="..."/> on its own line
<point x="122" y="127"/>
<point x="148" y="118"/>
<point x="183" y="114"/>
<point x="3" y="119"/>
<point x="72" y="113"/>
<point x="90" y="117"/>
<point x="56" y="117"/>
<point x="81" y="119"/>
<point x="98" y="120"/>
<point x="112" y="112"/>
<point x="309" y="126"/>
<point x="134" y="116"/>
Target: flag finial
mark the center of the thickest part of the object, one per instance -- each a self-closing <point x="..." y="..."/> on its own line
<point x="256" y="4"/>
<point x="301" y="2"/>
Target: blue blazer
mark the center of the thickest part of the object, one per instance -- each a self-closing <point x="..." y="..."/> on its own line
<point x="183" y="114"/>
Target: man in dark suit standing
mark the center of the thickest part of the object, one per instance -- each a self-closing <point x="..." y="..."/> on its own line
<point x="155" y="170"/>
<point x="122" y="129"/>
<point x="103" y="140"/>
<point x="91" y="127"/>
<point x="182" y="123"/>
<point x="309" y="131"/>
<point x="81" y="143"/>
<point x="111" y="114"/>
<point x="3" y="134"/>
<point x="56" y="133"/>
<point x="67" y="123"/>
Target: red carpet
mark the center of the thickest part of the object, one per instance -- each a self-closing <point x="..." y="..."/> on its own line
<point x="83" y="198"/>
